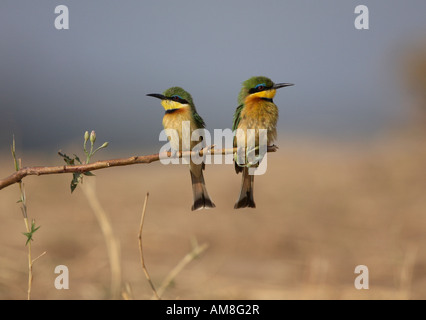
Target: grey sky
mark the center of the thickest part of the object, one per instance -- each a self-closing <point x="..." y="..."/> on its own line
<point x="54" y="84"/>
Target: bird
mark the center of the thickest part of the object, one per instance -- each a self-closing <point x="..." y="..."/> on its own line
<point x="179" y="107"/>
<point x="256" y="110"/>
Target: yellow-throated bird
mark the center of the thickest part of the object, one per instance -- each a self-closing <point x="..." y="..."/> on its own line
<point x="256" y="111"/>
<point x="180" y="107"/>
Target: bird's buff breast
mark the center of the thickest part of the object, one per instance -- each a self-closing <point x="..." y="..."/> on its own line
<point x="259" y="114"/>
<point x="174" y="121"/>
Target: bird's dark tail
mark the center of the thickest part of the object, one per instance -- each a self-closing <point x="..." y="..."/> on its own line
<point x="201" y="197"/>
<point x="246" y="195"/>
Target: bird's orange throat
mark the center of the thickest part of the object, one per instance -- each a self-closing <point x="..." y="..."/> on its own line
<point x="260" y="112"/>
<point x="259" y="105"/>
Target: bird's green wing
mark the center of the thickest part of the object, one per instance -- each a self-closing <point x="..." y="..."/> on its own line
<point x="200" y="124"/>
<point x="237" y="117"/>
<point x="198" y="120"/>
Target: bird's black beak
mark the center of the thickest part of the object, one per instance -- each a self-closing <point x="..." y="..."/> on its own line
<point x="156" y="95"/>
<point x="282" y="85"/>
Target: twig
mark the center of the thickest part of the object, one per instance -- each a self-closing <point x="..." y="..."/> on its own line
<point x="141" y="249"/>
<point x="111" y="241"/>
<point x="127" y="293"/>
<point x="30" y="230"/>
<point x="196" y="251"/>
<point x="30" y="261"/>
<point x="407" y="270"/>
<point x="28" y="171"/>
<point x="34" y="260"/>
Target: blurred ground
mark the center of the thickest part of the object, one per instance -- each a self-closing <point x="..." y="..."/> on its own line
<point x="322" y="209"/>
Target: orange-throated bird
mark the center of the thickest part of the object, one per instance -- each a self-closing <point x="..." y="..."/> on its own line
<point x="256" y="111"/>
<point x="180" y="107"/>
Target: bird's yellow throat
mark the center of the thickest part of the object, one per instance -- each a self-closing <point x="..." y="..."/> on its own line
<point x="172" y="105"/>
<point x="268" y="94"/>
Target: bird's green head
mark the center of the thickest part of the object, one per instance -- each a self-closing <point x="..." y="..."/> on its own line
<point x="174" y="98"/>
<point x="259" y="88"/>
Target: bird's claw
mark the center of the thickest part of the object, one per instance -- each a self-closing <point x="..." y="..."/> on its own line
<point x="206" y="150"/>
<point x="174" y="153"/>
<point x="273" y="148"/>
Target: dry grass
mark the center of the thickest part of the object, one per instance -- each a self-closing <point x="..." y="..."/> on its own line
<point x="322" y="210"/>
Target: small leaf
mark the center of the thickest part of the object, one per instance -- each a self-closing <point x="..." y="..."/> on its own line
<point x="67" y="159"/>
<point x="76" y="178"/>
<point x="34" y="229"/>
<point x="29" y="235"/>
<point x="88" y="173"/>
<point x="14" y="154"/>
<point x="77" y="158"/>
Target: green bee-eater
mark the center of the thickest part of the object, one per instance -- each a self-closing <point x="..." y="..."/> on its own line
<point x="180" y="107"/>
<point x="256" y="111"/>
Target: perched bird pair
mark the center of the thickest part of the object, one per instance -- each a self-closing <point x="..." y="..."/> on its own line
<point x="256" y="111"/>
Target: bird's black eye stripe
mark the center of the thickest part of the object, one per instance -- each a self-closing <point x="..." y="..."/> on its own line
<point x="178" y="99"/>
<point x="259" y="88"/>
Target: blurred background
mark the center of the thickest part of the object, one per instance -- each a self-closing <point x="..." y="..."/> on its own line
<point x="345" y="188"/>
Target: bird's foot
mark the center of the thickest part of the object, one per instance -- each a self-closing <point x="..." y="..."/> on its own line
<point x="174" y="153"/>
<point x="206" y="150"/>
<point x="272" y="148"/>
<point x="254" y="156"/>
